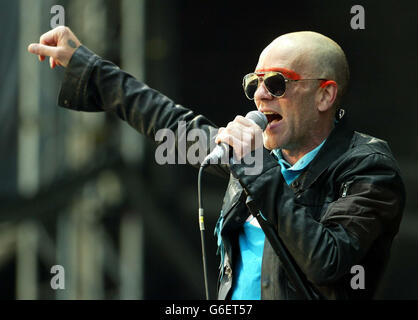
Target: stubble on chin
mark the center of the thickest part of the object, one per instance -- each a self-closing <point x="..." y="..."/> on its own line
<point x="269" y="142"/>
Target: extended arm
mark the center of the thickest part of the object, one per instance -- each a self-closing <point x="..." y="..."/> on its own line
<point x="94" y="84"/>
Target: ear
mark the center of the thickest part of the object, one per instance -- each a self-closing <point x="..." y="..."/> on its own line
<point x="327" y="93"/>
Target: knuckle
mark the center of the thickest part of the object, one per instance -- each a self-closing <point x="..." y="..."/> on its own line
<point x="42" y="38"/>
<point x="247" y="132"/>
<point x="62" y="30"/>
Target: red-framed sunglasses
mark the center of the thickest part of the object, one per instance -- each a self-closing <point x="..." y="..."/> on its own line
<point x="275" y="80"/>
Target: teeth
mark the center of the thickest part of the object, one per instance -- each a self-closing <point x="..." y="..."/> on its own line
<point x="269" y="112"/>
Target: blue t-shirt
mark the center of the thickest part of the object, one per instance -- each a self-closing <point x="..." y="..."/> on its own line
<point x="251" y="238"/>
<point x="248" y="268"/>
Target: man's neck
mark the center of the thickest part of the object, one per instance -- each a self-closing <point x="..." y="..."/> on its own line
<point x="294" y="154"/>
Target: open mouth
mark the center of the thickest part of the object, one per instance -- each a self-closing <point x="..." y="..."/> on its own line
<point x="273" y="117"/>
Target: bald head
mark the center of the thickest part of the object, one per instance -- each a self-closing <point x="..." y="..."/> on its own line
<point x="312" y="55"/>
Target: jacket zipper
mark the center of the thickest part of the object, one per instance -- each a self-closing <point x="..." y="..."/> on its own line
<point x="346" y="185"/>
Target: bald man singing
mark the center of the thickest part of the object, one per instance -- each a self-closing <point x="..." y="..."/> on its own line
<point x="334" y="197"/>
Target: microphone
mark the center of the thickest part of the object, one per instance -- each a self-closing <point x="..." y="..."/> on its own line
<point x="221" y="149"/>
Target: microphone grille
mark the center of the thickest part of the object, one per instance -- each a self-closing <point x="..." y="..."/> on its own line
<point x="258" y="118"/>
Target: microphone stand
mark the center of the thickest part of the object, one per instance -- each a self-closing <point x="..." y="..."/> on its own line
<point x="202" y="230"/>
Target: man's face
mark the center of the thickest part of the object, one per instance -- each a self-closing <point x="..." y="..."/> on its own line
<point x="296" y="108"/>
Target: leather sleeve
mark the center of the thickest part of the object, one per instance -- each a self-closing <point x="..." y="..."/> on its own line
<point x="92" y="84"/>
<point x="325" y="249"/>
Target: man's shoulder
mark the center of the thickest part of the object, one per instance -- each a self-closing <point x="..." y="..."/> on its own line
<point x="367" y="148"/>
<point x="368" y="143"/>
<point x="365" y="144"/>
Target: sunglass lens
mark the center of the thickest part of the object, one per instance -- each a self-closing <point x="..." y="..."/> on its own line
<point x="275" y="84"/>
<point x="250" y="86"/>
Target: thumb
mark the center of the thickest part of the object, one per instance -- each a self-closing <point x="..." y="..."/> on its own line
<point x="42" y="50"/>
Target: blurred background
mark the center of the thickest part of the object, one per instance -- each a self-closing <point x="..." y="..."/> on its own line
<point x="84" y="191"/>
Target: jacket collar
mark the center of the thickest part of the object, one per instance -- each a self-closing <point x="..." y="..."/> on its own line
<point x="336" y="144"/>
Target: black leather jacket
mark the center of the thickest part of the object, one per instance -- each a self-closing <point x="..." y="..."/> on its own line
<point x="344" y="210"/>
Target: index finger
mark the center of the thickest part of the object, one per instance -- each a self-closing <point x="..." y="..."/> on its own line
<point x="49" y="38"/>
<point x="42" y="50"/>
